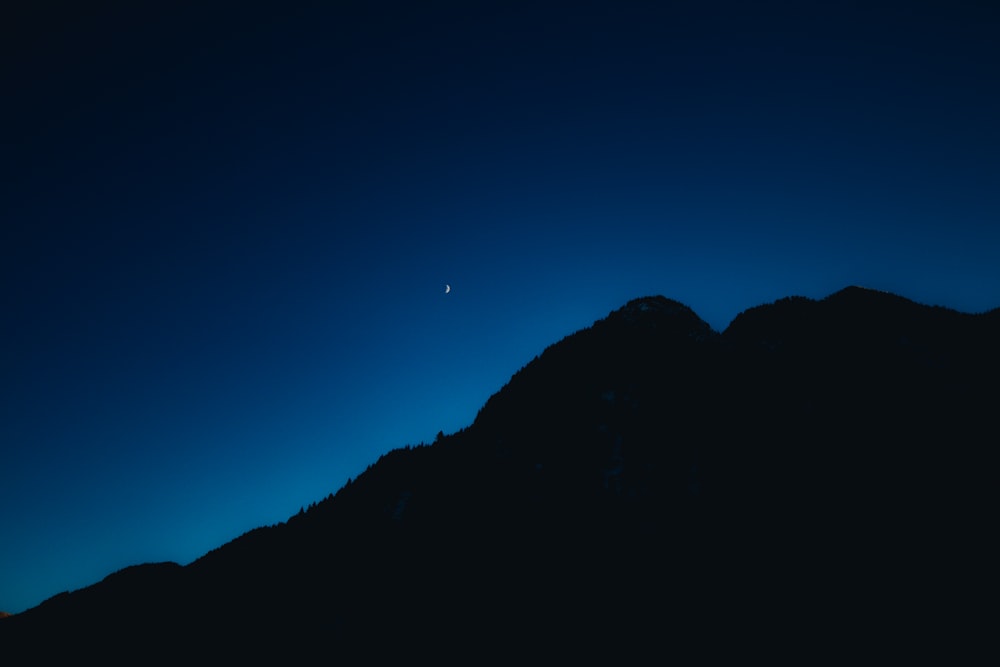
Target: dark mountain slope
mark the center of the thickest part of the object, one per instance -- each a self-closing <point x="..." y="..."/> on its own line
<point x="814" y="479"/>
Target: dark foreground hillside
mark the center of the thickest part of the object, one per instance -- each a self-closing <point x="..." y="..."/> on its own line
<point x="816" y="481"/>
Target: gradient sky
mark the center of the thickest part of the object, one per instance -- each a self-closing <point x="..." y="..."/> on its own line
<point x="226" y="230"/>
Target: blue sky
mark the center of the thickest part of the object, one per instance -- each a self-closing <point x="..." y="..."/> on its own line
<point x="227" y="230"/>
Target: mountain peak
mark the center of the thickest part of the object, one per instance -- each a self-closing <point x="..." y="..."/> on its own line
<point x="858" y="293"/>
<point x="657" y="303"/>
<point x="653" y="310"/>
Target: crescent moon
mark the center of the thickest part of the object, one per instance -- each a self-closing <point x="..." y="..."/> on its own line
<point x="447" y="288"/>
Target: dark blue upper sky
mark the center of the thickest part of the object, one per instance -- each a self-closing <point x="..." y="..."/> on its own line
<point x="226" y="229"/>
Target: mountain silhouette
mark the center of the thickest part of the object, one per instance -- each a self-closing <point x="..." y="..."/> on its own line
<point x="815" y="481"/>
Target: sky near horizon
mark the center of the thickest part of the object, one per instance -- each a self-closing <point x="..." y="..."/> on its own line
<point x="227" y="228"/>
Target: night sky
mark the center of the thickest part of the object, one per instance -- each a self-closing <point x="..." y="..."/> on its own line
<point x="227" y="230"/>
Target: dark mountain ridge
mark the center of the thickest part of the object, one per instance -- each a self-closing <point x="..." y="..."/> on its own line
<point x="812" y="480"/>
